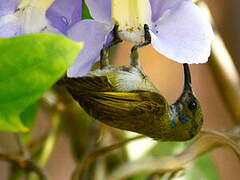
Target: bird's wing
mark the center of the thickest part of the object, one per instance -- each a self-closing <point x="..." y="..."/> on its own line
<point x="87" y="83"/>
<point x="125" y="110"/>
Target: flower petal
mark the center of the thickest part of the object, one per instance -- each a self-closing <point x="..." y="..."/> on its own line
<point x="8" y="6"/>
<point x="9" y="26"/>
<point x="10" y="30"/>
<point x="64" y="14"/>
<point x="100" y="10"/>
<point x="94" y="35"/>
<point x="160" y="6"/>
<point x="183" y="35"/>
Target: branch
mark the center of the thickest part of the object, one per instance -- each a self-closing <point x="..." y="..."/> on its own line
<point x="93" y="138"/>
<point x="228" y="83"/>
<point x="25" y="164"/>
<point x="205" y="142"/>
<point x="50" y="140"/>
<point x="78" y="173"/>
<point x="22" y="148"/>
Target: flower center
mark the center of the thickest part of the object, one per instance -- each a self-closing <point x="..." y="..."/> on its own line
<point x="131" y="15"/>
<point x="31" y="15"/>
<point x="43" y="5"/>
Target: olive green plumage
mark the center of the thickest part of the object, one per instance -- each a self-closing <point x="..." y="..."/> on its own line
<point x="123" y="97"/>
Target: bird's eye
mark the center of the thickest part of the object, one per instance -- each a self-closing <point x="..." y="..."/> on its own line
<point x="192" y="105"/>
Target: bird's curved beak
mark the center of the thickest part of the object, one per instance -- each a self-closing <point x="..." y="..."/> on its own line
<point x="187" y="79"/>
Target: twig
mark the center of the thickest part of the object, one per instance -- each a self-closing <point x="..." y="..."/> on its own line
<point x="22" y="148"/>
<point x="100" y="152"/>
<point x="50" y="141"/>
<point x="206" y="141"/>
<point x="221" y="62"/>
<point x="26" y="164"/>
<point x="24" y="152"/>
<point x="35" y="145"/>
<point x="227" y="27"/>
<point x="210" y="139"/>
<point x="153" y="176"/>
<point x="100" y="169"/>
<point x="94" y="135"/>
<point x="228" y="82"/>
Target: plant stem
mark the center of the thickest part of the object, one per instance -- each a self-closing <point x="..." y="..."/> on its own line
<point x="100" y="152"/>
<point x="26" y="164"/>
<point x="50" y="141"/>
<point x="205" y="142"/>
<point x="22" y="148"/>
<point x="228" y="83"/>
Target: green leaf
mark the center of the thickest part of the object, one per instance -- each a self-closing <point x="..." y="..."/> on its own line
<point x="202" y="168"/>
<point x="143" y="176"/>
<point x="164" y="149"/>
<point x="85" y="11"/>
<point x="29" y="66"/>
<point x="28" y="117"/>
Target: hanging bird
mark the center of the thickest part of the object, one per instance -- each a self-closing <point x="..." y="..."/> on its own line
<point x="123" y="97"/>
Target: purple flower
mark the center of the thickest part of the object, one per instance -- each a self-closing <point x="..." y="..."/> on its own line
<point x="19" y="17"/>
<point x="63" y="14"/>
<point x="178" y="29"/>
<point x="8" y="25"/>
<point x="66" y="17"/>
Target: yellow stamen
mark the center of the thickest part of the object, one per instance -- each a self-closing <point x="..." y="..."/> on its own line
<point x="131" y="15"/>
<point x="41" y="4"/>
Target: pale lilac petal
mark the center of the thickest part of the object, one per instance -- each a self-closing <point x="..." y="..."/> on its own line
<point x="100" y="10"/>
<point x="51" y="30"/>
<point x="110" y="38"/>
<point x="9" y="26"/>
<point x="64" y="13"/>
<point x="160" y="6"/>
<point x="183" y="35"/>
<point x="10" y="30"/>
<point x="8" y="6"/>
<point x="77" y="14"/>
<point x="94" y="35"/>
